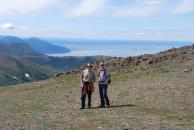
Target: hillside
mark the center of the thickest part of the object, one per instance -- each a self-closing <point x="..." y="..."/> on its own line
<point x="150" y="95"/>
<point x="17" y="49"/>
<point x="11" y="39"/>
<point x="17" y="70"/>
<point x="45" y="47"/>
<point x="62" y="64"/>
<point x="36" y="44"/>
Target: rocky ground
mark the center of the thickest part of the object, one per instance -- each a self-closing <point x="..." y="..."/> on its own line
<point x="174" y="55"/>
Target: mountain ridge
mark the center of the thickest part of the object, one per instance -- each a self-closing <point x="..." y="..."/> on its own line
<point x="36" y="44"/>
<point x="45" y="47"/>
<point x="16" y="49"/>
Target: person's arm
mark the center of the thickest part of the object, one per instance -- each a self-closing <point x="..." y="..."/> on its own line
<point x="108" y="76"/>
<point x="81" y="81"/>
<point x="98" y="72"/>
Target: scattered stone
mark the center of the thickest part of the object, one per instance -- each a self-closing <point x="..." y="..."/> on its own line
<point x="150" y="62"/>
<point x="7" y="123"/>
<point x="99" y="127"/>
<point x="146" y="98"/>
<point x="125" y="126"/>
<point x="67" y="73"/>
<point x="187" y="70"/>
<point x="58" y="75"/>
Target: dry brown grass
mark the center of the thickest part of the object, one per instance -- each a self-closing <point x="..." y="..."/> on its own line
<point x="142" y="99"/>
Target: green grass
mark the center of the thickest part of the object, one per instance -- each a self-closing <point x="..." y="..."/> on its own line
<point x="35" y="73"/>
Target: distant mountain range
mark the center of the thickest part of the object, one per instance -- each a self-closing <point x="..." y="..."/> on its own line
<point x="11" y="39"/>
<point x="37" y="44"/>
<point x="17" y="49"/>
<point x="24" y="60"/>
<point x="45" y="47"/>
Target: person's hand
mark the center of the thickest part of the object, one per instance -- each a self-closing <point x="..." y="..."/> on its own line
<point x="93" y="82"/>
<point x="81" y="84"/>
<point x="106" y="82"/>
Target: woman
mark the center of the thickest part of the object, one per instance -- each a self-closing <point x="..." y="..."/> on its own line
<point x="104" y="77"/>
<point x="87" y="82"/>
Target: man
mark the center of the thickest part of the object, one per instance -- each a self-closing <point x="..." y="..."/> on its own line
<point x="87" y="82"/>
<point x="104" y="78"/>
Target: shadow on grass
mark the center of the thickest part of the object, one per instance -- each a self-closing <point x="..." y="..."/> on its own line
<point x="113" y="106"/>
<point x="126" y="105"/>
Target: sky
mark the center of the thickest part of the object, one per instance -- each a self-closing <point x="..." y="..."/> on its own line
<point x="99" y="19"/>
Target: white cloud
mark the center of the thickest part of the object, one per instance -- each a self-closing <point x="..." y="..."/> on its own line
<point x="143" y="8"/>
<point x="184" y="6"/>
<point x="7" y="26"/>
<point x="87" y="7"/>
<point x="15" y="7"/>
<point x="138" y="8"/>
<point x="78" y="8"/>
<point x="133" y="11"/>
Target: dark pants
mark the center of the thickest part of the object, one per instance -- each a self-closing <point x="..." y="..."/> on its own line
<point x="83" y="97"/>
<point x="103" y="94"/>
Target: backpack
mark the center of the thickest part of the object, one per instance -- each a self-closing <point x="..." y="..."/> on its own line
<point x="108" y="76"/>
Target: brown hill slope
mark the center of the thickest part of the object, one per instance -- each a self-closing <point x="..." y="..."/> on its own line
<point x="169" y="56"/>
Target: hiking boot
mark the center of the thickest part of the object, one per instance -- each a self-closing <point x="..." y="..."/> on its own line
<point x="82" y="108"/>
<point x="107" y="106"/>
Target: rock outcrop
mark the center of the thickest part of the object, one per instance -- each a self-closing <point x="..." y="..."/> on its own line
<point x="174" y="55"/>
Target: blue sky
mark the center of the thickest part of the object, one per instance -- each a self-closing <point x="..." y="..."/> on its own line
<point x="101" y="19"/>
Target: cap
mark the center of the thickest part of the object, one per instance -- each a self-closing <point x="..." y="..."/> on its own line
<point x="101" y="64"/>
<point x="89" y="65"/>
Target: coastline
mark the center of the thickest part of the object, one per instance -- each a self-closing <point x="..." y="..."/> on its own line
<point x="116" y="48"/>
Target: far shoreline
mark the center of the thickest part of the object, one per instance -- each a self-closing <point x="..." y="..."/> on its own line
<point x="118" y="49"/>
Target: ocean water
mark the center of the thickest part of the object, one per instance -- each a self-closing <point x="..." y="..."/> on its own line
<point x="117" y="48"/>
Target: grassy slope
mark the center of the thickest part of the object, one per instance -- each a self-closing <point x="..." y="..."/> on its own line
<point x="151" y="99"/>
<point x="61" y="63"/>
<point x="13" y="70"/>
